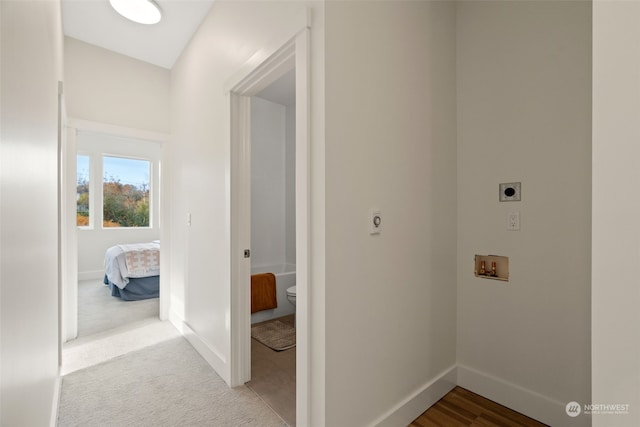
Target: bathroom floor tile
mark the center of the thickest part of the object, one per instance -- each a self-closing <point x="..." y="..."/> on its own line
<point x="273" y="376"/>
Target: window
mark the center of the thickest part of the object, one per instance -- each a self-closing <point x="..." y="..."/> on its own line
<point x="125" y="194"/>
<point x="82" y="191"/>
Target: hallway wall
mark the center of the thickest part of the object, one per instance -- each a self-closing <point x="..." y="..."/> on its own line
<point x="31" y="58"/>
<point x="524" y="115"/>
<point x="200" y="275"/>
<point x="107" y="87"/>
<point x="391" y="145"/>
<point x="615" y="297"/>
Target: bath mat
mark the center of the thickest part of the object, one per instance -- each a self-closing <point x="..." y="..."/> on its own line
<point x="276" y="335"/>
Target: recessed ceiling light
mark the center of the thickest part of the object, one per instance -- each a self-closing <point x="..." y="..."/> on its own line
<point x="140" y="11"/>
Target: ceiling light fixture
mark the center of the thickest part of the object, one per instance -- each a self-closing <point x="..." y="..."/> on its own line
<point x="140" y="11"/>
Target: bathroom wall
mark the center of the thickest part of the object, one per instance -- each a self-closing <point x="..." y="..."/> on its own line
<point x="272" y="221"/>
<point x="290" y="184"/>
<point x="273" y="197"/>
<point x="524" y="115"/>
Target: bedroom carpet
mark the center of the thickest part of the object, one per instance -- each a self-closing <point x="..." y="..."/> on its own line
<point x="167" y="384"/>
<point x="98" y="311"/>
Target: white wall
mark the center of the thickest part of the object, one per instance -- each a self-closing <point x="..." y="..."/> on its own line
<point x="111" y="93"/>
<point x="31" y="59"/>
<point x="290" y="184"/>
<point x="390" y="144"/>
<point x="200" y="265"/>
<point x="616" y="131"/>
<point x="268" y="182"/>
<point x="524" y="114"/>
<point x="94" y="241"/>
<point x="106" y="87"/>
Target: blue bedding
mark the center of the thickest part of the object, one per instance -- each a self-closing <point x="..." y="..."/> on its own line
<point x="137" y="289"/>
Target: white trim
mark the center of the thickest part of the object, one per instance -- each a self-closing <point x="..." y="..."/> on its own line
<point x="520" y="399"/>
<point x="87" y="125"/>
<point x="303" y="228"/>
<point x="57" y="387"/>
<point x="424" y="397"/>
<point x="240" y="354"/>
<point x="70" y="313"/>
<point x="215" y="359"/>
<point x="69" y="239"/>
<point x="269" y="52"/>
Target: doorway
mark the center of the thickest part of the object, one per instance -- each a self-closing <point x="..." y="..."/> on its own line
<point x="96" y="151"/>
<point x="273" y="240"/>
<point x="292" y="55"/>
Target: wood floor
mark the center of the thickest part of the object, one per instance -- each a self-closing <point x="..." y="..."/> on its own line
<point x="460" y="407"/>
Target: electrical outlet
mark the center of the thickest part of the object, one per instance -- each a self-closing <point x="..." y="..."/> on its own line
<point x="513" y="221"/>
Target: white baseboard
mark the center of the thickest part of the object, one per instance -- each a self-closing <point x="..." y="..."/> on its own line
<point x="421" y="399"/>
<point x="90" y="275"/>
<point x="53" y="422"/>
<point x="527" y="402"/>
<point x="208" y="353"/>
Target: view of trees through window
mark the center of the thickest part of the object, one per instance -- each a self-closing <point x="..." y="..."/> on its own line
<point x="125" y="192"/>
<point x="82" y="191"/>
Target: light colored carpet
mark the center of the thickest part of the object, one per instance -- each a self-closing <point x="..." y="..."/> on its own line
<point x="97" y="348"/>
<point x="98" y="311"/>
<point x="276" y="335"/>
<point x="167" y="384"/>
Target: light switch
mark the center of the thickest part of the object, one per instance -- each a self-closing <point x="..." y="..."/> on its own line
<point x="375" y="222"/>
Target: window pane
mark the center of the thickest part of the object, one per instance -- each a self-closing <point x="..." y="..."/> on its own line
<point x="125" y="192"/>
<point x="82" y="191"/>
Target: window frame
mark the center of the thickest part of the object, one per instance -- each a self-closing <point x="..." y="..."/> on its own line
<point x="151" y="189"/>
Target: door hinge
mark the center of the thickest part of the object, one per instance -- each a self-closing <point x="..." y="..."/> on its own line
<point x="247" y="253"/>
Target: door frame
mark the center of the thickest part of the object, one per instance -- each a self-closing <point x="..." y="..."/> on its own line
<point x="69" y="245"/>
<point x="295" y="53"/>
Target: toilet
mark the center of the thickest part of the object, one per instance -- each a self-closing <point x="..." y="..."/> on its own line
<point x="291" y="295"/>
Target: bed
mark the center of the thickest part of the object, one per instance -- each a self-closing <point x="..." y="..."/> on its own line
<point x="132" y="271"/>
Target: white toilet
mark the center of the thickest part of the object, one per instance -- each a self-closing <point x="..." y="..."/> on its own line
<point x="291" y="295"/>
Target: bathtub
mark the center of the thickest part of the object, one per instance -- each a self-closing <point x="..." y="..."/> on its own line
<point x="285" y="278"/>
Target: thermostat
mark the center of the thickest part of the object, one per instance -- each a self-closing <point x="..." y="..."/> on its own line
<point x="510" y="192"/>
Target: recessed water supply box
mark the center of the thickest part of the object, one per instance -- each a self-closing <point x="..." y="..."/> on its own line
<point x="492" y="267"/>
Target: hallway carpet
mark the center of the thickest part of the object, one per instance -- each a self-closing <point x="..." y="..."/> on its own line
<point x="167" y="384"/>
<point x="98" y="311"/>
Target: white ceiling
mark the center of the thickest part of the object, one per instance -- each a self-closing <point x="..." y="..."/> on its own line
<point x="95" y="22"/>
